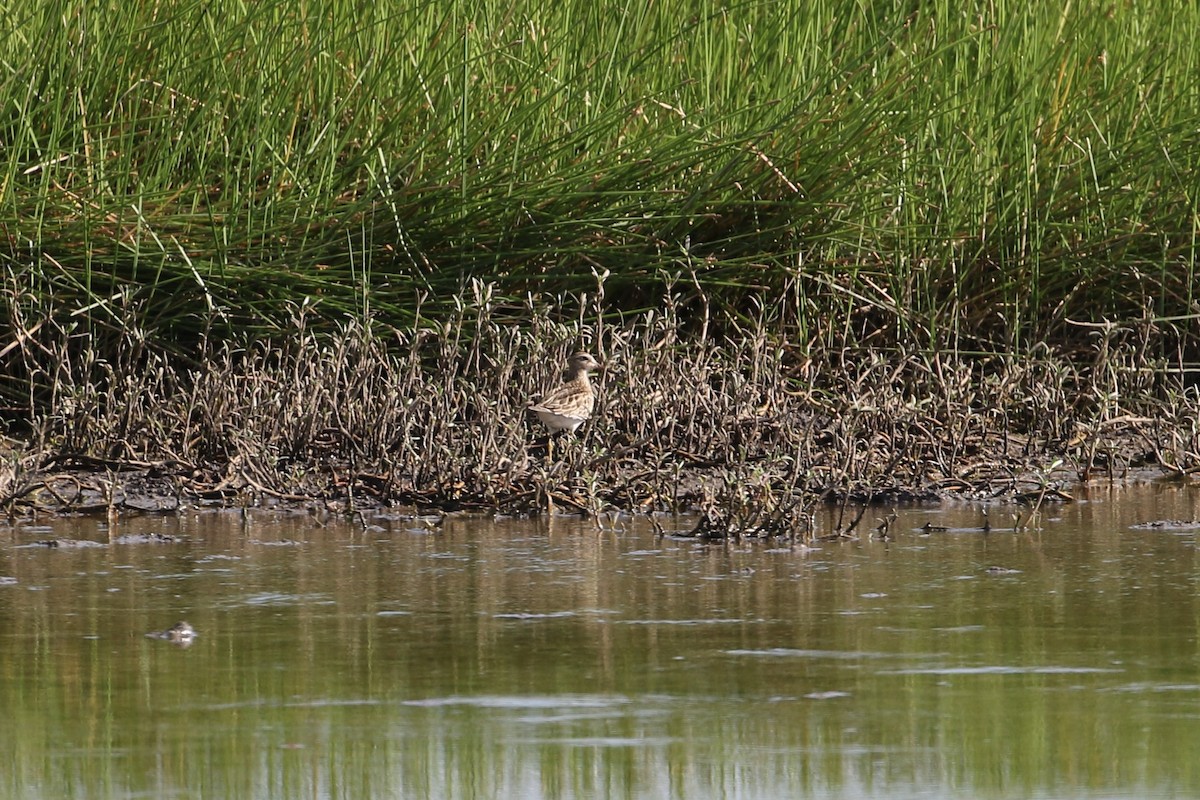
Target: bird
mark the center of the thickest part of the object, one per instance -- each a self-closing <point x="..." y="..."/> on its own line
<point x="570" y="405"/>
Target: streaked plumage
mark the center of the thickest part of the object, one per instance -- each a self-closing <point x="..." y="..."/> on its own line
<point x="570" y="405"/>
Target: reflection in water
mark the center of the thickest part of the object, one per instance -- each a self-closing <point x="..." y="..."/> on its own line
<point x="181" y="634"/>
<point x="505" y="659"/>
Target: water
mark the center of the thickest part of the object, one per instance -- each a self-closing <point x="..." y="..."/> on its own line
<point x="487" y="659"/>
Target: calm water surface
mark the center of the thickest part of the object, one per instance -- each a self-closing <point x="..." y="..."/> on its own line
<point x="503" y="659"/>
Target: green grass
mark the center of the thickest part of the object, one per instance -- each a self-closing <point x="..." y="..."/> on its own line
<point x="904" y="170"/>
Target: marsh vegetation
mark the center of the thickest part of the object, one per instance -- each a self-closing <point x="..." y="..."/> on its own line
<point x="833" y="249"/>
<point x="752" y="430"/>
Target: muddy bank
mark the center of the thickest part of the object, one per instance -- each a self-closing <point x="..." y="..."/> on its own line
<point x="734" y="499"/>
<point x="752" y="430"/>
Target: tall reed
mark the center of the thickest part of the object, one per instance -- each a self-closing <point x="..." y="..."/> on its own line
<point x="914" y="172"/>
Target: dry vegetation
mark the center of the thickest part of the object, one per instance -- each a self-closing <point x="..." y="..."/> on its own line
<point x="750" y="429"/>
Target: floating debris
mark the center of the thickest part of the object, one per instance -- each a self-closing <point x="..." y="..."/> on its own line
<point x="181" y="634"/>
<point x="1167" y="525"/>
<point x="66" y="544"/>
<point x="147" y="538"/>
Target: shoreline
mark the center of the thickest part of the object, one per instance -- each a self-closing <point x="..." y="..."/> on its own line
<point x="750" y="433"/>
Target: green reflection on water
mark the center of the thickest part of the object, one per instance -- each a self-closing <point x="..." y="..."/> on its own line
<point x="497" y="659"/>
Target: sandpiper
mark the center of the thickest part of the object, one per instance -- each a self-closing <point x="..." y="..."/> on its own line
<point x="569" y="406"/>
